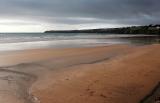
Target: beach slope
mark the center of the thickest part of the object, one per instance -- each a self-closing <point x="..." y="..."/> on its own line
<point x="108" y="74"/>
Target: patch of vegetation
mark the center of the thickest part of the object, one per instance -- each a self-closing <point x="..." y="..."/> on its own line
<point x="148" y="29"/>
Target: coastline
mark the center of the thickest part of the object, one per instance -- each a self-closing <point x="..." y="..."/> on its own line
<point x="100" y="74"/>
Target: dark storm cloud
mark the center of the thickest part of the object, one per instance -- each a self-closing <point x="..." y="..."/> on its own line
<point x="130" y="12"/>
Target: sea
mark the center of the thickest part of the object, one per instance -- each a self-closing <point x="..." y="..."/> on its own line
<point x="22" y="41"/>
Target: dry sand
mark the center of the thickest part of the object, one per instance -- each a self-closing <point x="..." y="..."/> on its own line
<point x="109" y="74"/>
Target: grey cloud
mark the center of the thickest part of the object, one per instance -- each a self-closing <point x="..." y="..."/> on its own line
<point x="130" y="12"/>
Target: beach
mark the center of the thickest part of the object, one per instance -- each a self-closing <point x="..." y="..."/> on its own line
<point x="103" y="74"/>
<point x="79" y="51"/>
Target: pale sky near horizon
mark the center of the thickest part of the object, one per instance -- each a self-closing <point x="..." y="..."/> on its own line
<point x="41" y="15"/>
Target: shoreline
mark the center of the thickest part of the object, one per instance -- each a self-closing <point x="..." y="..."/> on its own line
<point x="98" y="40"/>
<point x="74" y="67"/>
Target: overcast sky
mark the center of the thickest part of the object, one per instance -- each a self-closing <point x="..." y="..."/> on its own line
<point x="41" y="15"/>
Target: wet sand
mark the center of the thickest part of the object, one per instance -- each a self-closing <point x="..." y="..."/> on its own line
<point x="108" y="74"/>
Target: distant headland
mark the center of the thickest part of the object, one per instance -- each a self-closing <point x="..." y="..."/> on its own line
<point x="148" y="29"/>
